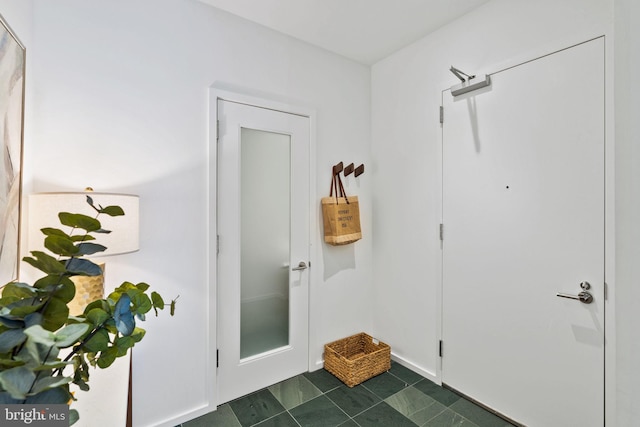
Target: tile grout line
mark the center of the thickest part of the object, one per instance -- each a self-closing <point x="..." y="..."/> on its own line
<point x="406" y="383"/>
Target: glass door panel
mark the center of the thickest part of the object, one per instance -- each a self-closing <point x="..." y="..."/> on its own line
<point x="265" y="224"/>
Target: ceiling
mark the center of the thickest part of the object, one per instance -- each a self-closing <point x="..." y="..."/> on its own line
<point x="363" y="30"/>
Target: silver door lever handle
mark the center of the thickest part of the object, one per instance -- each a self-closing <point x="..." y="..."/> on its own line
<point x="301" y="266"/>
<point x="584" y="297"/>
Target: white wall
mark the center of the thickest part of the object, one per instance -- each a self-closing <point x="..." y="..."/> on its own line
<point x="406" y="94"/>
<point x="627" y="94"/>
<point x="121" y="104"/>
<point x="121" y="101"/>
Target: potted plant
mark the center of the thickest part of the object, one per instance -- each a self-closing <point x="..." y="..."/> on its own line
<point x="44" y="349"/>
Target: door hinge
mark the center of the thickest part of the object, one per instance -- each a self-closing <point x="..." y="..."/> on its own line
<point x="217" y="130"/>
<point x="606" y="291"/>
<point x="217" y="358"/>
<point x="440" y="348"/>
<point x="442" y="232"/>
<point x="441" y="114"/>
<point x="217" y="244"/>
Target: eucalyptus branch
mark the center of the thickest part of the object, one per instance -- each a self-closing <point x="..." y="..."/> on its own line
<point x="46" y="307"/>
<point x="80" y="346"/>
<point x="35" y="380"/>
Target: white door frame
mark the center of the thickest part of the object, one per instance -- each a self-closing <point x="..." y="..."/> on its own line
<point x="216" y="92"/>
<point x="609" y="205"/>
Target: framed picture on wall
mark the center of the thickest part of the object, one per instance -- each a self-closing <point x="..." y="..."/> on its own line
<point x="12" y="71"/>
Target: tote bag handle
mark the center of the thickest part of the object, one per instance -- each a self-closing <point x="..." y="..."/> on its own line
<point x="336" y="183"/>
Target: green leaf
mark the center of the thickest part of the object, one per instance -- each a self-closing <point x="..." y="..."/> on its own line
<point x="173" y="305"/>
<point x="55" y="314"/>
<point x="24" y="307"/>
<point x="33" y="319"/>
<point x="65" y="291"/>
<point x="50" y="282"/>
<point x="35" y="354"/>
<point x="47" y="383"/>
<point x="141" y="303"/>
<point x="19" y="290"/>
<point x="9" y="363"/>
<point x="60" y="245"/>
<point x="6" y="399"/>
<point x="98" y="342"/>
<point x="5" y="301"/>
<point x="50" y="366"/>
<point x="74" y="416"/>
<point x="102" y="231"/>
<point x="123" y="316"/>
<point x="80" y="372"/>
<point x="112" y="211"/>
<point x="45" y="263"/>
<point x="82" y="238"/>
<point x="107" y="357"/>
<point x="92" y="358"/>
<point x="79" y="221"/>
<point x="54" y="232"/>
<point x="10" y="339"/>
<point x="41" y="336"/>
<point x="138" y="334"/>
<point x="9" y="320"/>
<point x="75" y="238"/>
<point x="125" y="286"/>
<point x="59" y="395"/>
<point x="70" y="334"/>
<point x="123" y="344"/>
<point x="100" y="303"/>
<point x="90" y="248"/>
<point x="90" y="202"/>
<point x="17" y="381"/>
<point x="158" y="302"/>
<point x="82" y="267"/>
<point x="97" y="316"/>
<point x="142" y="286"/>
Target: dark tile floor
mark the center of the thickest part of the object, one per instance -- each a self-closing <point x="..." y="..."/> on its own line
<point x="396" y="398"/>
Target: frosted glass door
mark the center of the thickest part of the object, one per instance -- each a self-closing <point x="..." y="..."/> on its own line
<point x="265" y="235"/>
<point x="263" y="228"/>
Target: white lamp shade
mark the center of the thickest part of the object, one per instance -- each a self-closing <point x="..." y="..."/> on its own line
<point x="43" y="209"/>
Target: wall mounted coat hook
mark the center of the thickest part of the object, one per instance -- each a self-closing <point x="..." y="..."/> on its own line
<point x="337" y="168"/>
<point x="359" y="170"/>
<point x="348" y="170"/>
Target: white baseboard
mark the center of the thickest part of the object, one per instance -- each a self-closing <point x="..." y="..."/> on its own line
<point x="415" y="368"/>
<point x="187" y="416"/>
<point x="396" y="358"/>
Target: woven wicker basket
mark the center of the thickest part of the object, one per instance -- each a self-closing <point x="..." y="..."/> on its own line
<point x="357" y="358"/>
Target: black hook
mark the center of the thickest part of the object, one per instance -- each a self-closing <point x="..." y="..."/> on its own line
<point x="337" y="168"/>
<point x="359" y="170"/>
<point x="348" y="170"/>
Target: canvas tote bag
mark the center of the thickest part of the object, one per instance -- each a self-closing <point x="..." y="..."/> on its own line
<point x="341" y="215"/>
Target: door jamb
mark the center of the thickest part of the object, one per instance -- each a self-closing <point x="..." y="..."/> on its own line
<point x="220" y="91"/>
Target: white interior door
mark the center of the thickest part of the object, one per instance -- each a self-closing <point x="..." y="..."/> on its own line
<point x="263" y="227"/>
<point x="523" y="212"/>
